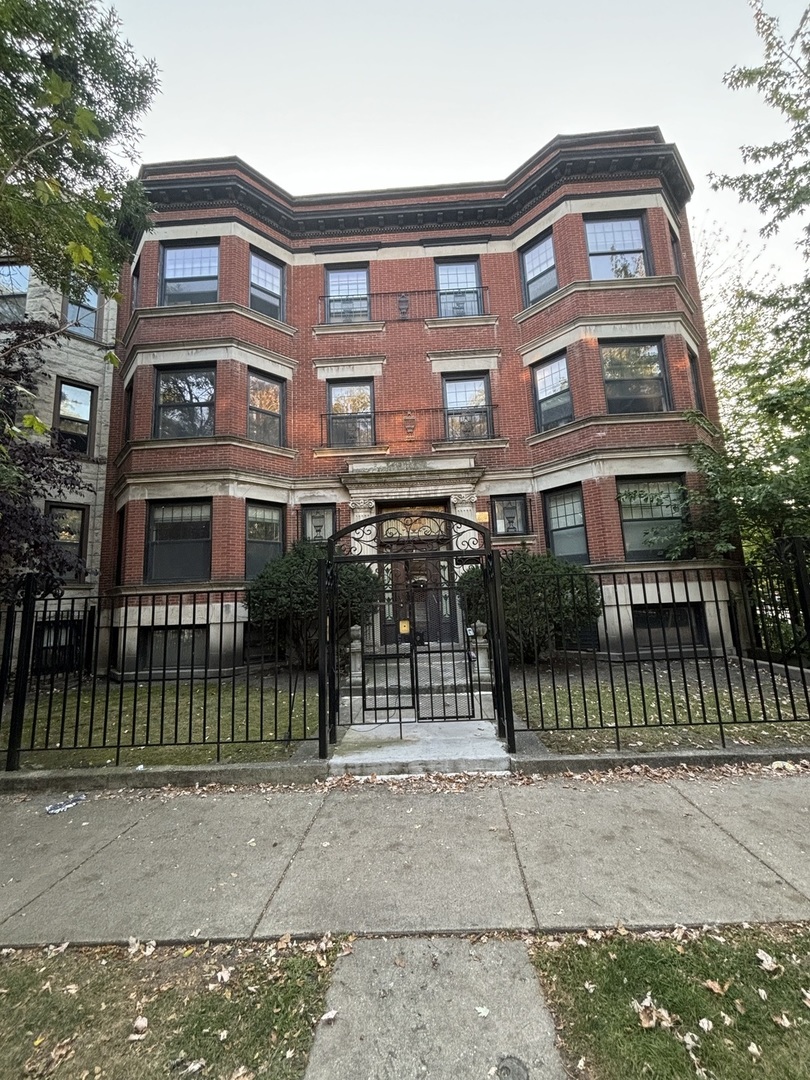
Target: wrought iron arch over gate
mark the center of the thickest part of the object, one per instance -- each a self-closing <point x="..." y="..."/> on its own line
<point x="398" y="643"/>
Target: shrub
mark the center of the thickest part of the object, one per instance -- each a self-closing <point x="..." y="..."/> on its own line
<point x="547" y="602"/>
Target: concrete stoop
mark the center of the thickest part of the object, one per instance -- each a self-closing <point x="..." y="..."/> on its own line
<point x="414" y="748"/>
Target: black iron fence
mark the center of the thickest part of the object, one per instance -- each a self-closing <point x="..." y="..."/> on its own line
<point x="715" y="653"/>
<point x="140" y="679"/>
<point x="690" y="655"/>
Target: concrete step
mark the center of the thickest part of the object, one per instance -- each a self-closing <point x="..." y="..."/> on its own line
<point x="385" y="749"/>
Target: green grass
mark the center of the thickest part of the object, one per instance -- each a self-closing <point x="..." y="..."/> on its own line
<point x="267" y="1010"/>
<point x="167" y="723"/>
<point x="591" y="985"/>
<point x="658" y="706"/>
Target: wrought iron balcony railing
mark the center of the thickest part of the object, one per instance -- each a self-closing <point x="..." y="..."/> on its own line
<point x="404" y="306"/>
<point x="411" y="426"/>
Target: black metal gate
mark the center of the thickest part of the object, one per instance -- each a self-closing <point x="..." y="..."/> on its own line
<point x="396" y="642"/>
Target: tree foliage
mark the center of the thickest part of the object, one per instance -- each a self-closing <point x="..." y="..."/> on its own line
<point x="758" y="486"/>
<point x="71" y="96"/>
<point x="284" y="600"/>
<point x="33" y="468"/>
<point x="547" y="602"/>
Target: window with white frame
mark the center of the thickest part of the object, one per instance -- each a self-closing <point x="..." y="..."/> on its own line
<point x="539" y="270"/>
<point x="467" y="407"/>
<point x="266" y="283"/>
<point x="264" y="536"/>
<point x="565" y="524"/>
<point x="458" y="288"/>
<point x="552" y="393"/>
<point x="317" y="523"/>
<point x="347" y="295"/>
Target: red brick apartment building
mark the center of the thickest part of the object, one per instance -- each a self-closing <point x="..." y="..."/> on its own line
<point x="518" y="353"/>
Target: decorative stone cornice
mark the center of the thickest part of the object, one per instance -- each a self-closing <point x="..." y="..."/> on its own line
<point x="225" y="185"/>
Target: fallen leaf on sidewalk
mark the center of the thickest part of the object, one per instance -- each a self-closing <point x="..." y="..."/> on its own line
<point x="482" y="1010"/>
<point x="329" y="1017"/>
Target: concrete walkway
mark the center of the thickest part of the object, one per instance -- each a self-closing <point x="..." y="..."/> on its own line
<point x="405" y="862"/>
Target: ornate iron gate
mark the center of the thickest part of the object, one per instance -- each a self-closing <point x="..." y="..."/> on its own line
<point x="396" y="645"/>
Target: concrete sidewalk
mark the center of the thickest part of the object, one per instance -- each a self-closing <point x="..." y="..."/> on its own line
<point x="386" y="859"/>
<point x="414" y="870"/>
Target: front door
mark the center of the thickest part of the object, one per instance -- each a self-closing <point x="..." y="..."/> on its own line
<point x="420" y="593"/>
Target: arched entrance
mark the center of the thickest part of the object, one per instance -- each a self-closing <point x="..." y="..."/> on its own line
<point x="396" y="643"/>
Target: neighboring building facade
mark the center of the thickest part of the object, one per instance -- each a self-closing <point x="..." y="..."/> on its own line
<point x="74" y="399"/>
<point x="518" y="353"/>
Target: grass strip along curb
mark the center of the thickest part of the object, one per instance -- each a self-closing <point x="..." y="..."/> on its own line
<point x="718" y="1004"/>
<point x="155" y="1011"/>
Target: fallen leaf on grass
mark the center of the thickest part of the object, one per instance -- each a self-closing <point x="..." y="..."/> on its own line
<point x="193" y="1067"/>
<point x="763" y="994"/>
<point x="650" y="1014"/>
<point x="754" y="1051"/>
<point x="715" y="987"/>
<point x="767" y="962"/>
<point x="71" y="988"/>
<point x="705" y="1024"/>
<point x="806" y="997"/>
<point x="782" y="1021"/>
<point x="727" y="1020"/>
<point x="590" y="987"/>
<point x="140" y="1024"/>
<point x="55" y="950"/>
<point x="224" y="974"/>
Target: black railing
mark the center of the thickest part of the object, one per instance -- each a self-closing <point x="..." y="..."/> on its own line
<point x="640" y="659"/>
<point x="710" y="652"/>
<point x="404" y="306"/>
<point x="182" y="676"/>
<point x="412" y="427"/>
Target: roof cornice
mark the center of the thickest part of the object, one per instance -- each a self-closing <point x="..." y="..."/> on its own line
<point x="228" y="183"/>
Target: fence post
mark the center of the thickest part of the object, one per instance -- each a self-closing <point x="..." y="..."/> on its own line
<point x="21" y="675"/>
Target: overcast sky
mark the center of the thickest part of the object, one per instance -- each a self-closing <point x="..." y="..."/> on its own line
<point x="364" y="94"/>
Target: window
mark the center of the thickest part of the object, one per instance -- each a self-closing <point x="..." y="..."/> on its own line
<point x="190" y="275"/>
<point x="13" y="291"/>
<point x="265" y="286"/>
<point x="70" y="533"/>
<point x="136" y="285"/>
<point x="509" y="517"/>
<point x="565" y="525"/>
<point x="539" y="271"/>
<point x="634" y="378"/>
<point x="351" y="413"/>
<point x="265" y="409"/>
<point x="552" y="394"/>
<point x="652" y="513"/>
<point x="172" y="648"/>
<point x="82" y="317"/>
<point x="264" y="536"/>
<point x="694" y="379"/>
<point x="317" y="523"/>
<point x="179" y="542"/>
<point x="677" y="261"/>
<point x="669" y="625"/>
<point x="467" y="408"/>
<point x="616" y="248"/>
<point x="184" y="402"/>
<point x="128" y="399"/>
<point x="73" y="422"/>
<point x="347" y="298"/>
<point x="459" y="293"/>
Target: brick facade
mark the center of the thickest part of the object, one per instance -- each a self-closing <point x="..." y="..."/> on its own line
<point x="409" y="339"/>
